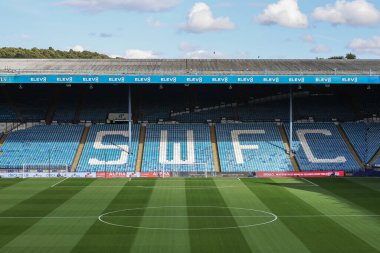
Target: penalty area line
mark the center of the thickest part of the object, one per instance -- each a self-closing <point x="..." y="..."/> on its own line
<point x="59" y="182"/>
<point x="314" y="184"/>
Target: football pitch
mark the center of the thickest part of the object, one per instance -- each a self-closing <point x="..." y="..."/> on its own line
<point x="190" y="215"/>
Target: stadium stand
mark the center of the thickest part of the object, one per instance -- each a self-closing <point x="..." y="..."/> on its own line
<point x="67" y="105"/>
<point x="106" y="149"/>
<point x="214" y="114"/>
<point x="319" y="146"/>
<point x="333" y="107"/>
<point x="177" y="148"/>
<point x="32" y="105"/>
<point x="41" y="146"/>
<point x="251" y="147"/>
<point x="266" y="111"/>
<point x="364" y="137"/>
<point x="322" y="148"/>
<point x="97" y="103"/>
<point x="6" y="113"/>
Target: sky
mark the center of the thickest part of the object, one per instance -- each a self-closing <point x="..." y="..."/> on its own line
<point x="242" y="29"/>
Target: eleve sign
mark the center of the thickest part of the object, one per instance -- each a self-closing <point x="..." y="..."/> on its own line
<point x="42" y="79"/>
<point x="186" y="79"/>
<point x="92" y="79"/>
<point x="68" y="79"/>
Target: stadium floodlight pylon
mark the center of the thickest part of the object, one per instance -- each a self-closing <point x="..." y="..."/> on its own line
<point x="45" y="170"/>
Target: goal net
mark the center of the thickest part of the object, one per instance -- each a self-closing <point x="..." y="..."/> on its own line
<point x="186" y="170"/>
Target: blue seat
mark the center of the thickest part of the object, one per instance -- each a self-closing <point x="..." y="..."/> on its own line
<point x="178" y="148"/>
<point x="106" y="149"/>
<point x="319" y="146"/>
<point x="251" y="147"/>
<point x="364" y="137"/>
<point x="41" y="146"/>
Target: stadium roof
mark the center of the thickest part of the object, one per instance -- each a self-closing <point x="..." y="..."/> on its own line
<point x="188" y="67"/>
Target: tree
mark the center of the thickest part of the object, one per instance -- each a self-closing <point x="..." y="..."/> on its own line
<point x="50" y="53"/>
<point x="350" y="56"/>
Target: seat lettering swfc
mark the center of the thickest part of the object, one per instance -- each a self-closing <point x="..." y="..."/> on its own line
<point x="98" y="144"/>
<point x="177" y="149"/>
<point x="309" y="154"/>
<point x="239" y="147"/>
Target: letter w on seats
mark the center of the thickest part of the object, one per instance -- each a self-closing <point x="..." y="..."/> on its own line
<point x="177" y="149"/>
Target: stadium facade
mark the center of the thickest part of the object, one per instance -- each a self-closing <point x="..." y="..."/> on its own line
<point x="190" y="116"/>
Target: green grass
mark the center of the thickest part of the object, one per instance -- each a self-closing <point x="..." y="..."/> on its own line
<point x="190" y="215"/>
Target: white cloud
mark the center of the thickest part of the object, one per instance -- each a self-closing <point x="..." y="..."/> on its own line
<point x="285" y="13"/>
<point x="187" y="47"/>
<point x="204" y="54"/>
<point x="135" y="5"/>
<point x="153" y="22"/>
<point x="369" y="46"/>
<point x="141" y="54"/>
<point x="200" y="19"/>
<point x="355" y="13"/>
<point x="318" y="49"/>
<point x="77" y="48"/>
<point x="25" y="37"/>
<point x="308" y="38"/>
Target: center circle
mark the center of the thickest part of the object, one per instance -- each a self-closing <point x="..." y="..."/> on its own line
<point x="177" y="218"/>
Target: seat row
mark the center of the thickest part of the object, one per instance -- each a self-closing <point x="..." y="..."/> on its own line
<point x="188" y="147"/>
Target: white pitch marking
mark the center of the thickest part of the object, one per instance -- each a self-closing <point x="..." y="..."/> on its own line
<point x="184" y="216"/>
<point x="155" y="187"/>
<point x="58" y="182"/>
<point x="314" y="184"/>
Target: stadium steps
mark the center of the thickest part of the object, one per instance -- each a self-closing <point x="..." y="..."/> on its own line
<point x="372" y="161"/>
<point x="140" y="151"/>
<point x="80" y="149"/>
<point x="3" y="138"/>
<point x="215" y="150"/>
<point x="350" y="147"/>
<point x="53" y="105"/>
<point x="285" y="139"/>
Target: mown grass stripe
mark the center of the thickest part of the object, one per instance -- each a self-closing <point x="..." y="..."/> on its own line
<point x="359" y="221"/>
<point x="4" y="183"/>
<point x="226" y="240"/>
<point x="55" y="233"/>
<point x="17" y="193"/>
<point x="39" y="205"/>
<point x="272" y="237"/>
<point x="370" y="182"/>
<point x="323" y="235"/>
<point x="102" y="237"/>
<point x="353" y="192"/>
<point x="148" y="241"/>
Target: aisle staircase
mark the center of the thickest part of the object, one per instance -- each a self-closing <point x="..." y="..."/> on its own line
<point x="287" y="148"/>
<point x="140" y="151"/>
<point x="80" y="149"/>
<point x="372" y="161"/>
<point x="214" y="146"/>
<point x="350" y="147"/>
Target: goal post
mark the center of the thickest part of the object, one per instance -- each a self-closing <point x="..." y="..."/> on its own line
<point x="193" y="169"/>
